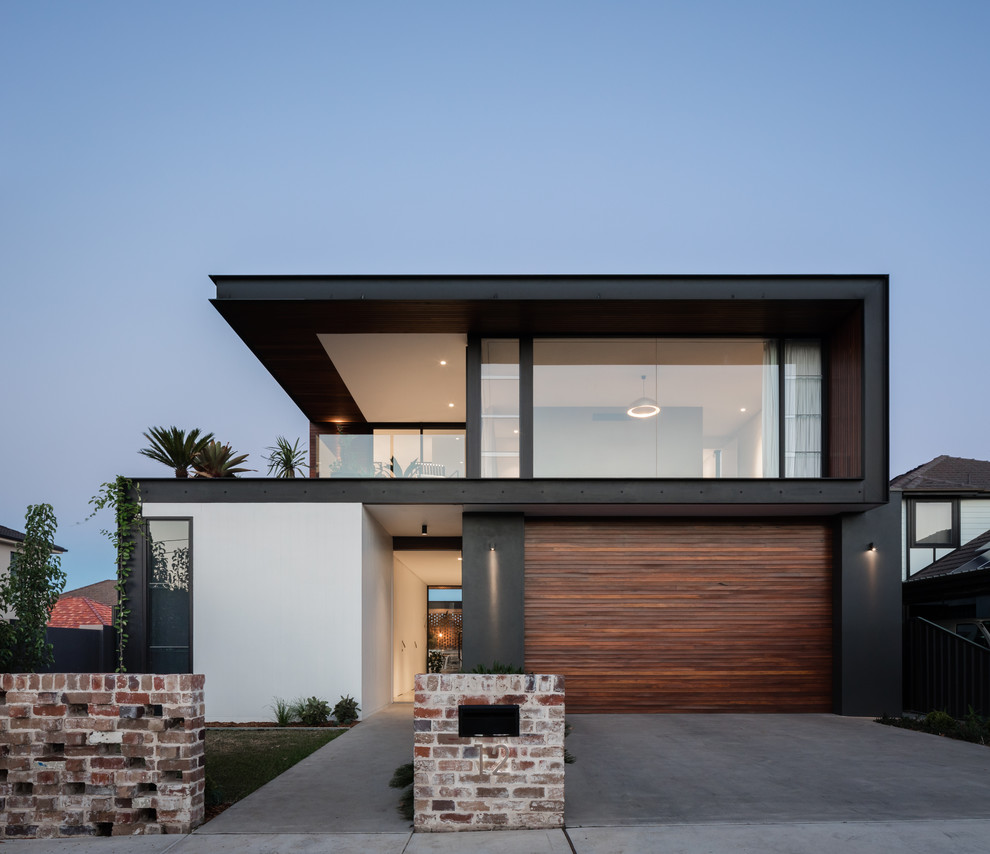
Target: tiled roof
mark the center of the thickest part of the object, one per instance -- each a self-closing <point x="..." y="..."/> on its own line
<point x="971" y="557"/>
<point x="74" y="611"/>
<point x="10" y="534"/>
<point x="18" y="537"/>
<point x="946" y="472"/>
<point x="104" y="592"/>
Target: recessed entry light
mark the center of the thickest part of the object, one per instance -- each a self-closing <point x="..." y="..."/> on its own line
<point x="450" y="405"/>
<point x="443" y="361"/>
<point x="742" y="409"/>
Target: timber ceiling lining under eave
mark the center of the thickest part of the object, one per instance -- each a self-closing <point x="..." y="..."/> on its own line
<point x="283" y="333"/>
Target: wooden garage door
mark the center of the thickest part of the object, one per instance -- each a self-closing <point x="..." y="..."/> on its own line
<point x="681" y="615"/>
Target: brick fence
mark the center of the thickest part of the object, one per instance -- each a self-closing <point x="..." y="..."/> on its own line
<point x="100" y="754"/>
<point x="494" y="783"/>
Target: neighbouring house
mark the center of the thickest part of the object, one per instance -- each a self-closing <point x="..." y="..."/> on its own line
<point x="10" y="542"/>
<point x="104" y="592"/>
<point x="945" y="504"/>
<point x="77" y="612"/>
<point x="671" y="489"/>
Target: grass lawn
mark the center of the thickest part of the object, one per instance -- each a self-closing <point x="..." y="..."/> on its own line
<point x="240" y="761"/>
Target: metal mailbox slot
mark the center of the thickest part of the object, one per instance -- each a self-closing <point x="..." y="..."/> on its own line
<point x="488" y="721"/>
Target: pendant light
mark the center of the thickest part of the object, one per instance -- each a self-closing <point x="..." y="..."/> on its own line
<point x="644" y="407"/>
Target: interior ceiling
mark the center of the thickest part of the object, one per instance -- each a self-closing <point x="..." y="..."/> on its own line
<point x="401" y="377"/>
<point x="433" y="568"/>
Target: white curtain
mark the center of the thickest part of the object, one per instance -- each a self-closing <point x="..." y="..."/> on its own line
<point x="802" y="409"/>
<point x="771" y="411"/>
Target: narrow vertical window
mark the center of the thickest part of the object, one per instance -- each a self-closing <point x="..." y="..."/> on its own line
<point x="802" y="409"/>
<point x="500" y="408"/>
<point x="169" y="596"/>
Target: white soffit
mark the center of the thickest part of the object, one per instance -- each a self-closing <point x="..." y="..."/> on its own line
<point x="434" y="568"/>
<point x="398" y="377"/>
<point x="407" y="520"/>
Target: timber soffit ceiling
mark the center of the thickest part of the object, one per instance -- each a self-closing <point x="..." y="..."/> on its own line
<point x="282" y="318"/>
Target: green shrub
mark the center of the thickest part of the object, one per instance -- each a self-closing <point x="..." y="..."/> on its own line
<point x="497" y="667"/>
<point x="283" y="711"/>
<point x="346" y="710"/>
<point x="940" y="723"/>
<point x="312" y="711"/>
<point x="403" y="779"/>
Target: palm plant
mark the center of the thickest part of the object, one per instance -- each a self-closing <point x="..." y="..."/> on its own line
<point x="284" y="459"/>
<point x="174" y="447"/>
<point x="217" y="460"/>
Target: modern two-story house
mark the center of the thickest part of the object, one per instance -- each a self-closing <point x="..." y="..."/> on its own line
<point x="672" y="490"/>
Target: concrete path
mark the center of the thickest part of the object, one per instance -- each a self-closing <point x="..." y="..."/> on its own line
<point x="341" y="788"/>
<point x="738" y="784"/>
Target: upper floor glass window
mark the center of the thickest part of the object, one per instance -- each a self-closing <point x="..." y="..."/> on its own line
<point x="676" y="408"/>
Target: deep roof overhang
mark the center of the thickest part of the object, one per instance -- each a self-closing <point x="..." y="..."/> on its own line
<point x="280" y="317"/>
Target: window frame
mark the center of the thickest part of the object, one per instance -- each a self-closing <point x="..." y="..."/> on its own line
<point x="147" y="586"/>
<point x="912" y="538"/>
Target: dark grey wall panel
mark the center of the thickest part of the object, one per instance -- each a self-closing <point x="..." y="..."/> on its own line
<point x="867" y="612"/>
<point x="492" y="588"/>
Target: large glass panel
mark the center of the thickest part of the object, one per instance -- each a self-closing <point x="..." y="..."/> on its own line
<point x="802" y="409"/>
<point x="393" y="452"/>
<point x="169" y="603"/>
<point x="654" y="408"/>
<point x="500" y="408"/>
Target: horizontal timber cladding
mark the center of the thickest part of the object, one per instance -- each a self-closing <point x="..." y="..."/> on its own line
<point x="675" y="615"/>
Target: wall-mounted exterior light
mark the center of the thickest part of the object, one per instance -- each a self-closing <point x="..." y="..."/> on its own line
<point x="871" y="547"/>
<point x="424" y="529"/>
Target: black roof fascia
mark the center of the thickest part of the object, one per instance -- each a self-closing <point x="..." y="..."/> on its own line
<point x="547" y="287"/>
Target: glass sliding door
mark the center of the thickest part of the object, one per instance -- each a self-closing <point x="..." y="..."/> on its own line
<point x="500" y="407"/>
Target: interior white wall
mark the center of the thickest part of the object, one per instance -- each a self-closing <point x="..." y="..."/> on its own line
<point x="409" y="605"/>
<point x="376" y="610"/>
<point x="277" y="603"/>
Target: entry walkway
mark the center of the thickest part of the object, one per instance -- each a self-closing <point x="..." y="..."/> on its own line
<point x="642" y="783"/>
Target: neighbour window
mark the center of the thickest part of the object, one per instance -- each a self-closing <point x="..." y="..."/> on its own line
<point x="934" y="524"/>
<point x="169" y="596"/>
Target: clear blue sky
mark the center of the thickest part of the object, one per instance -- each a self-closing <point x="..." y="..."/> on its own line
<point x="147" y="145"/>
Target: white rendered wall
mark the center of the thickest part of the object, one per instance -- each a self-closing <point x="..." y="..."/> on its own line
<point x="409" y="633"/>
<point x="376" y="610"/>
<point x="277" y="603"/>
<point x="5" y="551"/>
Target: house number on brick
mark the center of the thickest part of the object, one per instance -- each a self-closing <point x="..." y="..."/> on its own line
<point x="501" y="753"/>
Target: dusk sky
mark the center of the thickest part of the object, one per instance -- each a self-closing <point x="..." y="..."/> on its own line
<point x="148" y="145"/>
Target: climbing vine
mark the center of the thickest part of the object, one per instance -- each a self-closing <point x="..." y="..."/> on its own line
<point x="123" y="497"/>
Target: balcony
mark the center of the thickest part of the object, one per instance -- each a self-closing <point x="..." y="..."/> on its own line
<point x="397" y="453"/>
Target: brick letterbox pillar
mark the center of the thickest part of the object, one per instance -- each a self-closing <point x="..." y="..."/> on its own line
<point x="495" y="782"/>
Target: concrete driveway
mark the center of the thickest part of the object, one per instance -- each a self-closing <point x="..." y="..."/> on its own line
<point x="691" y="769"/>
